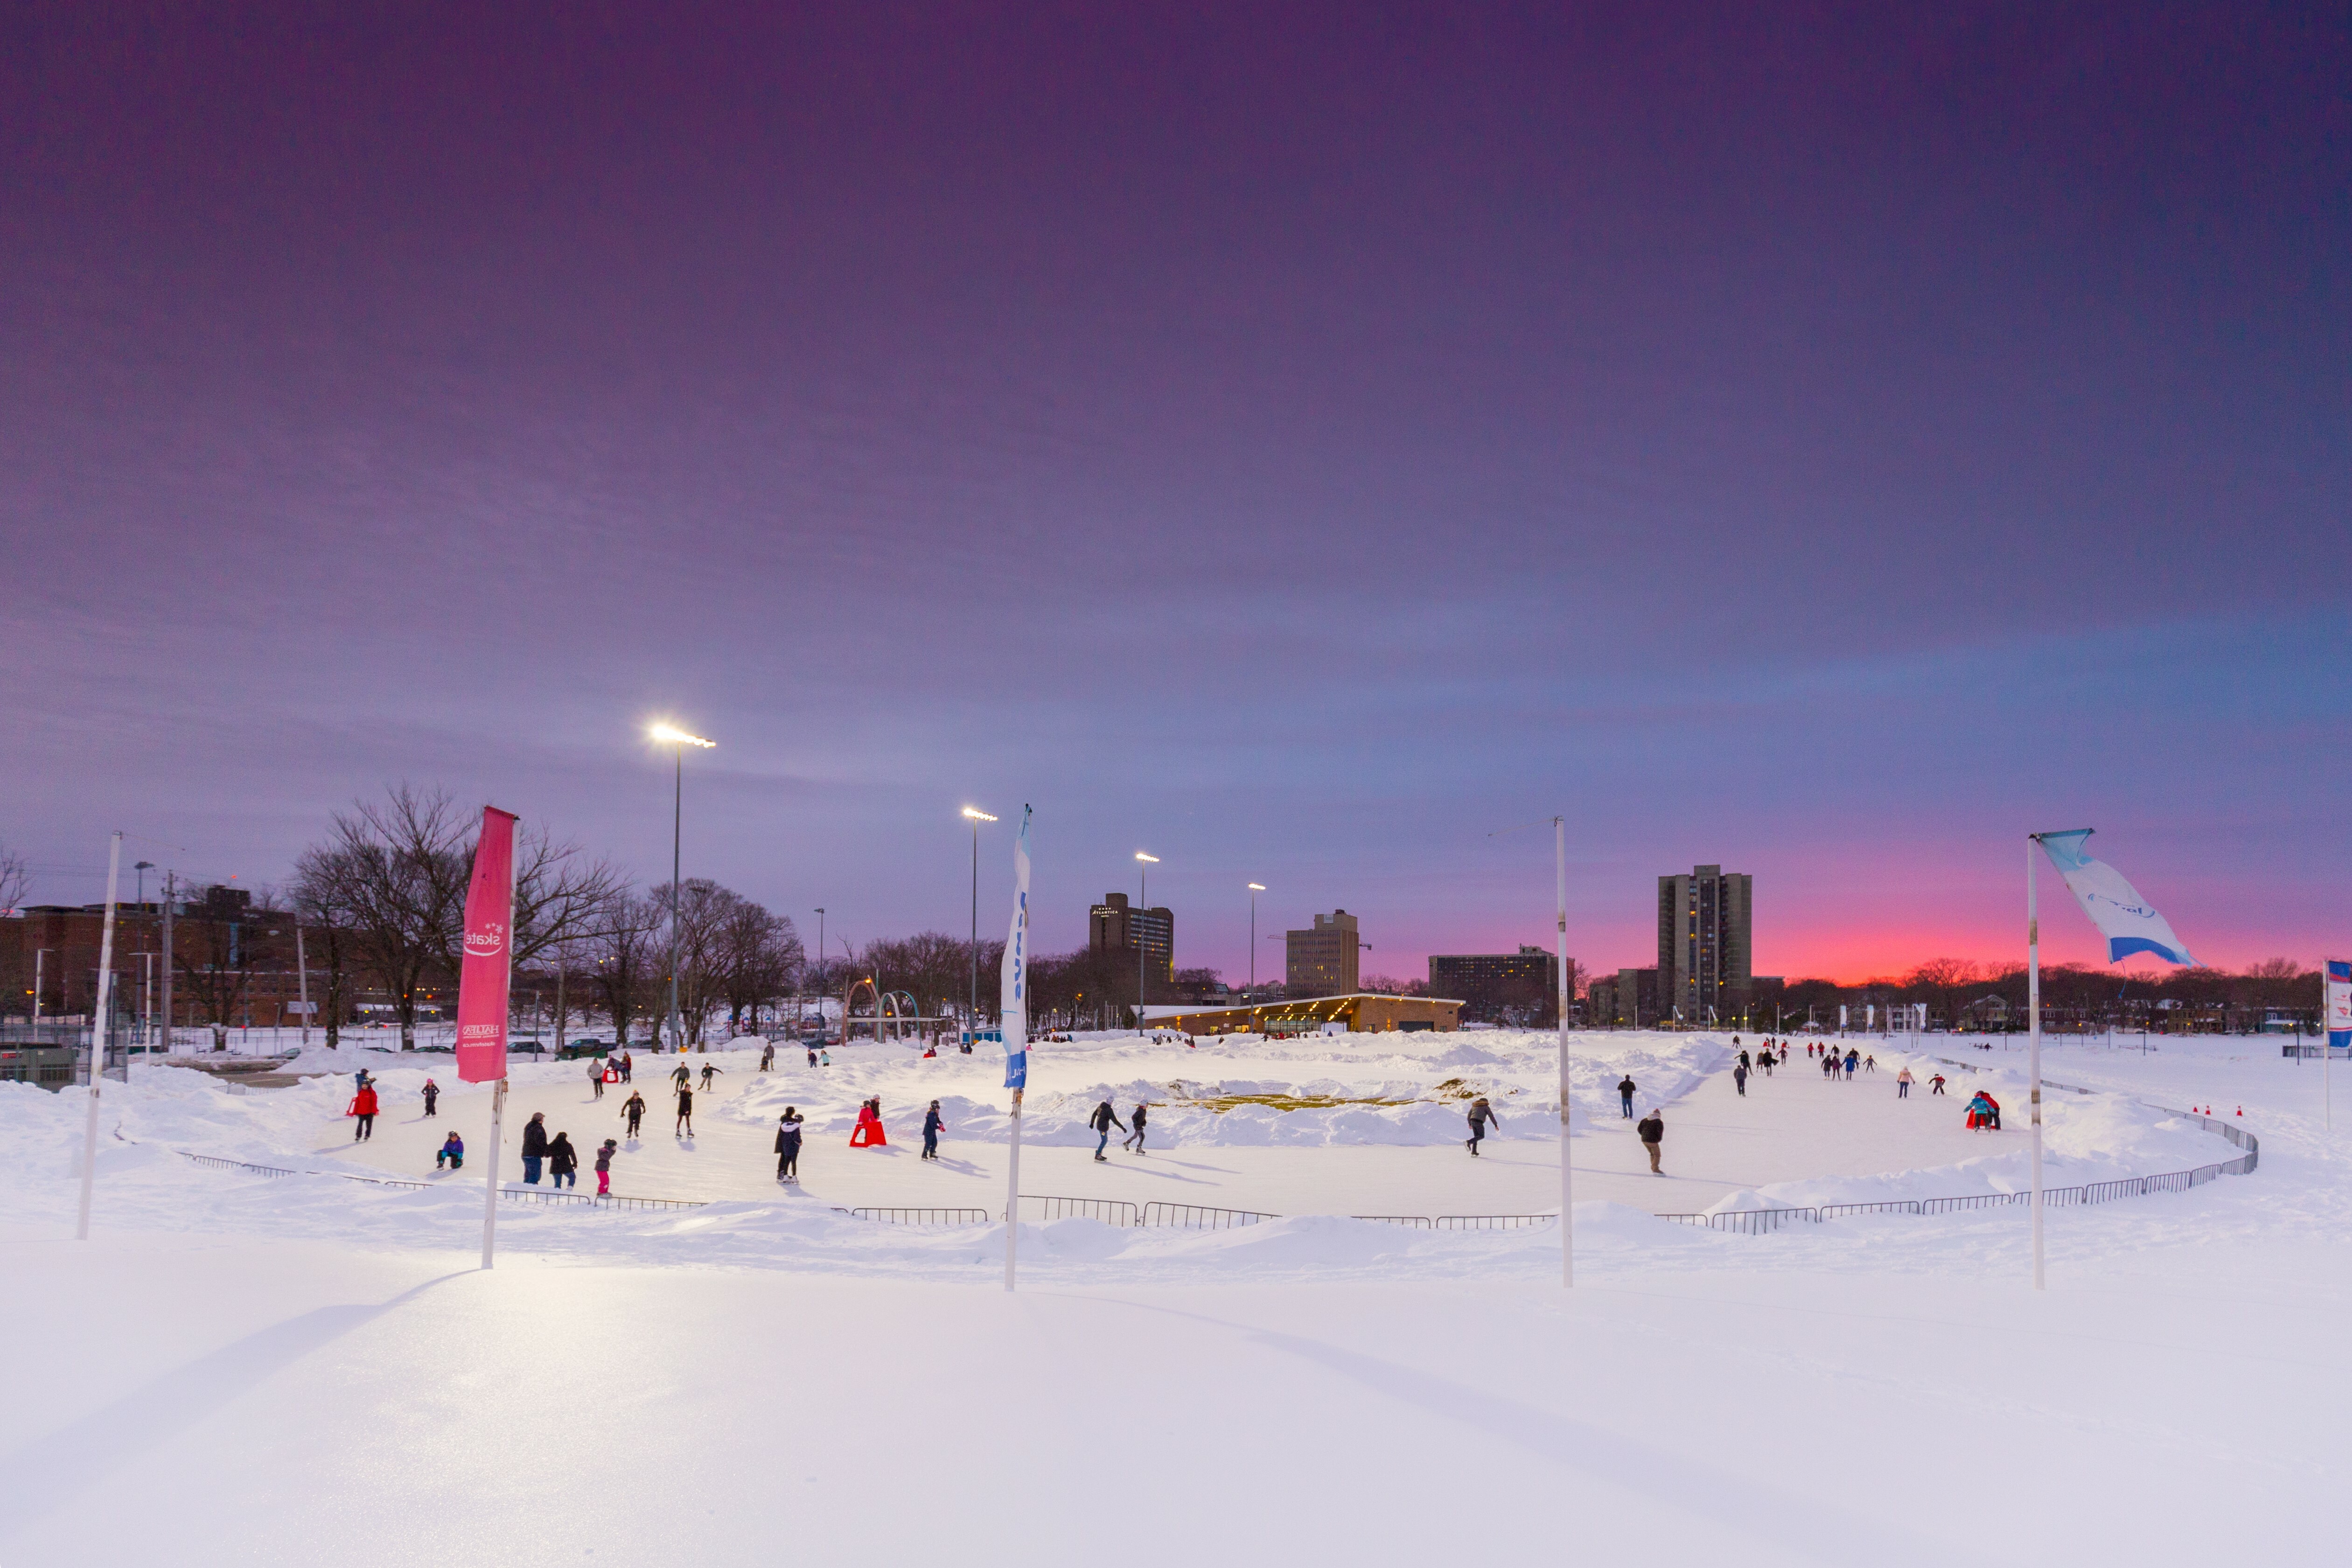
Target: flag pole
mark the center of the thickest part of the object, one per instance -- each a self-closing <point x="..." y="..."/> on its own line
<point x="490" y="1191"/>
<point x="97" y="1039"/>
<point x="1012" y="1196"/>
<point x="1567" y="1177"/>
<point x="2034" y="1041"/>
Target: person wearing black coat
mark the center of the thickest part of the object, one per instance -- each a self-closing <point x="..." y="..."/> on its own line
<point x="932" y="1126"/>
<point x="1625" y="1092"/>
<point x="563" y="1161"/>
<point x="1102" y="1122"/>
<point x="1135" y="1140"/>
<point x="1651" y="1130"/>
<point x="432" y="1096"/>
<point x="534" y="1146"/>
<point x="788" y="1145"/>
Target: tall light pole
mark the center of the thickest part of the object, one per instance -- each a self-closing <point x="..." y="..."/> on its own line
<point x="1254" y="889"/>
<point x="977" y="817"/>
<point x="678" y="740"/>
<point x="1566" y="980"/>
<point x="1142" y="898"/>
<point x="820" y="970"/>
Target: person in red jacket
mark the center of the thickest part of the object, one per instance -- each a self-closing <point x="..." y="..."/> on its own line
<point x="868" y="1134"/>
<point x="363" y="1108"/>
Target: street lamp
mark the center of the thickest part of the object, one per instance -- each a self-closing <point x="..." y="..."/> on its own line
<point x="679" y="740"/>
<point x="1254" y="889"/>
<point x="1142" y="881"/>
<point x="976" y="816"/>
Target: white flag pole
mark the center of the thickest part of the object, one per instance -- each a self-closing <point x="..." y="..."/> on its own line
<point x="490" y="1189"/>
<point x="2034" y="1040"/>
<point x="98" y="1039"/>
<point x="1567" y="1177"/>
<point x="1012" y="1197"/>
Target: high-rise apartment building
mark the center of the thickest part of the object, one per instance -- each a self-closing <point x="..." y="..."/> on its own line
<point x="1706" y="943"/>
<point x="1523" y="985"/>
<point x="1322" y="961"/>
<point x="1115" y="926"/>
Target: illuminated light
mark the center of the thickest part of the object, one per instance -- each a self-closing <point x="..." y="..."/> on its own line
<point x="977" y="815"/>
<point x="668" y="735"/>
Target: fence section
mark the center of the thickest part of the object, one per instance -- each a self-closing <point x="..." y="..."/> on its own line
<point x="1200" y="1217"/>
<point x="1110" y="1210"/>
<point x="545" y="1196"/>
<point x="924" y="1216"/>
<point x="1758" y="1221"/>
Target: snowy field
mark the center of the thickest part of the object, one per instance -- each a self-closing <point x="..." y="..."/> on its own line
<point x="240" y="1370"/>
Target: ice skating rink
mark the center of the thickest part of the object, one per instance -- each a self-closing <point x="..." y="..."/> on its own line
<point x="1793" y="1126"/>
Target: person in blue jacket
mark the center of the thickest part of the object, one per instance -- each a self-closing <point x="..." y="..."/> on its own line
<point x="452" y="1154"/>
<point x="932" y="1126"/>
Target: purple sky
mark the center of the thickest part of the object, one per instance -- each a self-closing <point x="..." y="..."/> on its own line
<point x="1294" y="440"/>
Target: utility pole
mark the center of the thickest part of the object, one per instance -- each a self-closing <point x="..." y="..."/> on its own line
<point x="170" y="883"/>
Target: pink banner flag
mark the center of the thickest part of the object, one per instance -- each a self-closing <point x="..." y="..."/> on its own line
<point x="488" y="958"/>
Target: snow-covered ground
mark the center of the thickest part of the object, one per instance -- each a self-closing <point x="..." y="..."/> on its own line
<point x="242" y="1370"/>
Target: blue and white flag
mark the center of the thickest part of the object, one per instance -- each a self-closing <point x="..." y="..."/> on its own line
<point x="1014" y="1000"/>
<point x="2129" y="921"/>
<point x="2338" y="986"/>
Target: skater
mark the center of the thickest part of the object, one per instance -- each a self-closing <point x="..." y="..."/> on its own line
<point x="604" y="1151"/>
<point x="634" y="1108"/>
<point x="685" y="1126"/>
<point x="1102" y="1122"/>
<point x="1903" y="1081"/>
<point x="707" y="1071"/>
<point x="628" y="1067"/>
<point x="451" y="1153"/>
<point x="1480" y="1114"/>
<point x="1651" y="1130"/>
<point x="1853" y="1060"/>
<point x="1764" y="1061"/>
<point x="767" y="1056"/>
<point x="534" y="1146"/>
<point x="1739" y="1078"/>
<point x="1744" y="1062"/>
<point x="812" y="1051"/>
<point x="932" y="1127"/>
<point x="869" y="1133"/>
<point x="432" y="1095"/>
<point x="788" y="1144"/>
<point x="563" y="1161"/>
<point x="1935" y="1085"/>
<point x="823" y="1057"/>
<point x="1625" y="1092"/>
<point x="1992" y="1107"/>
<point x="682" y="1075"/>
<point x="1870" y="1064"/>
<point x="363" y="1109"/>
<point x="595" y="1078"/>
<point x="1980" y="1116"/>
<point x="1828" y="1066"/>
<point x="1134" y="1140"/>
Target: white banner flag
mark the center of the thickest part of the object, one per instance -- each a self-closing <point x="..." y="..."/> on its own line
<point x="2129" y="921"/>
<point x="1014" y="998"/>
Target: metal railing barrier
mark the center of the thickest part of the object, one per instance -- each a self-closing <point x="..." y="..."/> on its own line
<point x="1200" y="1217"/>
<point x="924" y="1216"/>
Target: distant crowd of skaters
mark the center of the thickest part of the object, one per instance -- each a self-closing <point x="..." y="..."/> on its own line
<point x="556" y="1157"/>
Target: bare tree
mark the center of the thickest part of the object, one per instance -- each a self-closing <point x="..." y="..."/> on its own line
<point x="622" y="960"/>
<point x="330" y="943"/>
<point x="14" y="878"/>
<point x="215" y="976"/>
<point x="400" y="866"/>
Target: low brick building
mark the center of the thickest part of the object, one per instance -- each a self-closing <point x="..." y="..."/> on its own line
<point x="1359" y="1012"/>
